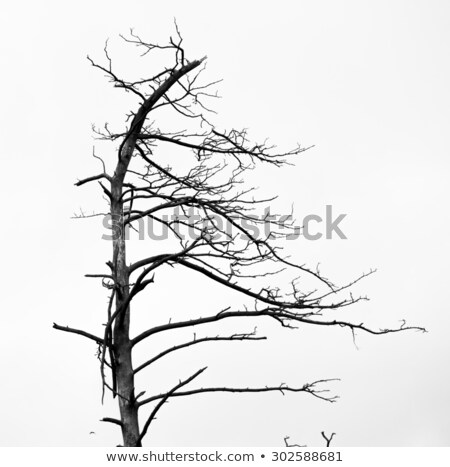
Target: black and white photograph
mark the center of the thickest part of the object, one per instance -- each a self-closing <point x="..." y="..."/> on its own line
<point x="225" y="230"/>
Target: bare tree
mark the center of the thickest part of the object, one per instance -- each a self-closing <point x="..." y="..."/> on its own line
<point x="215" y="221"/>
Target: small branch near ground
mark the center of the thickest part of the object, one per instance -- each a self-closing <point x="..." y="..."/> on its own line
<point x="286" y="438"/>
<point x="327" y="439"/>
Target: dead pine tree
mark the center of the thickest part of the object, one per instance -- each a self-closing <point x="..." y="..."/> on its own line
<point x="219" y="234"/>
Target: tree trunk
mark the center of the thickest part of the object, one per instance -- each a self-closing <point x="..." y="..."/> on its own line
<point x="123" y="367"/>
<point x="122" y="345"/>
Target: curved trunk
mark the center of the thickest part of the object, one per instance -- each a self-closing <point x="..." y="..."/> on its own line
<point x="122" y="347"/>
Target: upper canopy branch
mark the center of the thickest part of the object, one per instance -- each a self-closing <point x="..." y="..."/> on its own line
<point x="128" y="143"/>
<point x="233" y="143"/>
<point x="127" y="146"/>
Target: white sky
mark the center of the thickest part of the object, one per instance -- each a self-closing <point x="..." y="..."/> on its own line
<point x="367" y="84"/>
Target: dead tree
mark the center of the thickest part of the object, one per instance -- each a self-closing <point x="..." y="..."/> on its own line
<point x="218" y="230"/>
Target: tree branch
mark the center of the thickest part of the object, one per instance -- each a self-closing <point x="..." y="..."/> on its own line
<point x="309" y="388"/>
<point x="234" y="337"/>
<point x="112" y="420"/>
<point x="286" y="438"/>
<point x="96" y="339"/>
<point x="328" y="439"/>
<point x="164" y="400"/>
<point x="92" y="179"/>
<point x="280" y="315"/>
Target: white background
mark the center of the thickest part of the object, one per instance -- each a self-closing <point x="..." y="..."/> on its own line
<point x="367" y="84"/>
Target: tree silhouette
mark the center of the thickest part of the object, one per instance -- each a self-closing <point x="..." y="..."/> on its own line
<point x="216" y="228"/>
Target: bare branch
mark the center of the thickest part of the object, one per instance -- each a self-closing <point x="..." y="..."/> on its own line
<point x="93" y="178"/>
<point x="308" y="388"/>
<point x="96" y="339"/>
<point x="328" y="439"/>
<point x="234" y="337"/>
<point x="112" y="420"/>
<point x="163" y="400"/>
<point x="288" y="445"/>
<point x="279" y="315"/>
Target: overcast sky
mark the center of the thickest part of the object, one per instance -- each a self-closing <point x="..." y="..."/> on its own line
<point x="367" y="83"/>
